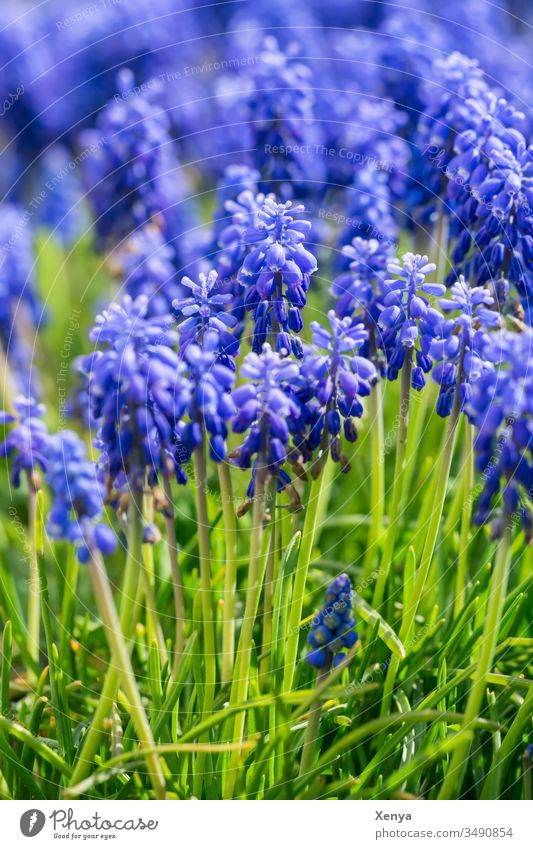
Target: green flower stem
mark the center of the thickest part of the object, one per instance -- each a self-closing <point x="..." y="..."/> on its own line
<point x="394" y="513"/>
<point x="311" y="732"/>
<point x="68" y="602"/>
<point x="208" y="623"/>
<point x="421" y="577"/>
<point x="451" y="787"/>
<point x="377" y="480"/>
<point x="122" y="663"/>
<point x="177" y="579"/>
<point x="155" y="631"/>
<point x="230" y="579"/>
<point x="265" y="666"/>
<point x="34" y="600"/>
<point x="466" y="515"/>
<point x="256" y="572"/>
<point x="129" y="609"/>
<point x="64" y="727"/>
<point x="300" y="578"/>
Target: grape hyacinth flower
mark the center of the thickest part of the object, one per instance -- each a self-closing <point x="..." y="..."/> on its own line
<point x="369" y="208"/>
<point x="210" y="404"/>
<point x="339" y="377"/>
<point x="78" y="497"/>
<point x="333" y="627"/>
<point x="144" y="264"/>
<point x="359" y="292"/>
<point x="265" y="408"/>
<point x="235" y="180"/>
<point x="276" y="275"/>
<point x="20" y="306"/>
<point x="132" y="173"/>
<point x="461" y="341"/>
<point x="138" y="392"/>
<point x="64" y="212"/>
<point x="205" y="310"/>
<point x="232" y="239"/>
<point x="279" y="117"/>
<point x="501" y="409"/>
<point x="404" y="307"/>
<point x="27" y="441"/>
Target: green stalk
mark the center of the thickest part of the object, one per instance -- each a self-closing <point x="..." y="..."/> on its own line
<point x="177" y="579"/>
<point x="451" y="787"/>
<point x="64" y="728"/>
<point x="428" y="550"/>
<point x="300" y="579"/>
<point x="34" y="600"/>
<point x="68" y="602"/>
<point x="311" y="732"/>
<point x="239" y="690"/>
<point x="230" y="579"/>
<point x="377" y="480"/>
<point x="394" y="514"/>
<point x="155" y="631"/>
<point x="122" y="663"/>
<point x="204" y="551"/>
<point x="466" y="514"/>
<point x="128" y="616"/>
<point x="265" y="667"/>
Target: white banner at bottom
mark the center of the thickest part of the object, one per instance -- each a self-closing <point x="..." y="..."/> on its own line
<point x="264" y="825"/>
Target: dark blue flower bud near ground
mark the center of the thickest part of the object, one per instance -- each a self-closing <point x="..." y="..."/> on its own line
<point x="333" y="632"/>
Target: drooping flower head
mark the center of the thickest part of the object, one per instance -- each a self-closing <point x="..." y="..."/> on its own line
<point x="137" y="391"/>
<point x="276" y="275"/>
<point x="338" y="377"/>
<point x="265" y="406"/>
<point x="27" y="442"/>
<point x="333" y="627"/>
<point x="501" y="409"/>
<point x="205" y="310"/>
<point x="78" y="497"/>
<point x="404" y="307"/>
<point x="460" y="341"/>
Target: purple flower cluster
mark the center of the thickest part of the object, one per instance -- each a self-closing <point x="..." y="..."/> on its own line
<point x="501" y="409"/>
<point x="460" y="343"/>
<point x="266" y="407"/>
<point x="406" y="314"/>
<point x="276" y="274"/>
<point x="78" y="497"/>
<point x="27" y="442"/>
<point x="333" y="629"/>
<point x="204" y="310"/>
<point x="336" y="378"/>
<point x="137" y="391"/>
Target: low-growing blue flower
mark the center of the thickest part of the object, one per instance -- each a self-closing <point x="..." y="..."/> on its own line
<point x="276" y="274"/>
<point x="337" y="377"/>
<point x="404" y="306"/>
<point x="27" y="442"/>
<point x="333" y="631"/>
<point x="77" y="497"/>
<point x="265" y="407"/>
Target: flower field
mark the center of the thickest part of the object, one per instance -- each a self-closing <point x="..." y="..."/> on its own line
<point x="266" y="282"/>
